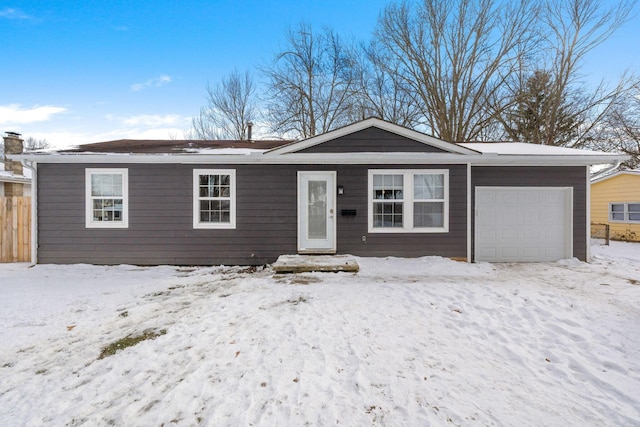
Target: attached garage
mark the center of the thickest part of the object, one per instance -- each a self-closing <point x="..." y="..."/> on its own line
<point x="523" y="224"/>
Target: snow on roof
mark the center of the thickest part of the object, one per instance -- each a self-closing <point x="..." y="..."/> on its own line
<point x="161" y="146"/>
<point x="234" y="151"/>
<point x="6" y="175"/>
<point x="522" y="148"/>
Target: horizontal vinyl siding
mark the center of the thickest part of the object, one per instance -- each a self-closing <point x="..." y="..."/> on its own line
<point x="620" y="189"/>
<point x="161" y="220"/>
<point x="352" y="229"/>
<point x="542" y="176"/>
<point x="372" y="140"/>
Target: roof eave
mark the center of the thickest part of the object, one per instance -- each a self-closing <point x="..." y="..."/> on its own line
<point x="331" y="158"/>
<point x="15" y="179"/>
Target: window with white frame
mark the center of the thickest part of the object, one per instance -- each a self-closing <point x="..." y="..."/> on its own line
<point x="624" y="212"/>
<point x="214" y="198"/>
<point x="413" y="201"/>
<point x="107" y="198"/>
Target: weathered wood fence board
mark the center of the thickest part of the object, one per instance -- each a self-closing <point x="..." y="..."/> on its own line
<point x="15" y="229"/>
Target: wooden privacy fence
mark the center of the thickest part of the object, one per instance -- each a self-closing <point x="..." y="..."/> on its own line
<point x="15" y="229"/>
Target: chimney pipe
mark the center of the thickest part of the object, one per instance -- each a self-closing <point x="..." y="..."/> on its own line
<point x="249" y="126"/>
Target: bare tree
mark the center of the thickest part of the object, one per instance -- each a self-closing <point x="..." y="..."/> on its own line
<point x="551" y="104"/>
<point x="32" y="144"/>
<point x="310" y="84"/>
<point x="455" y="55"/>
<point x="231" y="105"/>
<point x="620" y="128"/>
<point x="380" y="92"/>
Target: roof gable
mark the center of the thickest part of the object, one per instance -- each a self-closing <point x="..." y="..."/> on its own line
<point x="372" y="140"/>
<point x="628" y="173"/>
<point x="388" y="138"/>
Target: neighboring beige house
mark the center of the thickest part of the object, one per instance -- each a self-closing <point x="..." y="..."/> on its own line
<point x="14" y="180"/>
<point x="615" y="200"/>
<point x="8" y="178"/>
<point x="15" y="204"/>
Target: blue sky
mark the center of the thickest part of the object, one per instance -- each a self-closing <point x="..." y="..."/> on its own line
<point x="85" y="71"/>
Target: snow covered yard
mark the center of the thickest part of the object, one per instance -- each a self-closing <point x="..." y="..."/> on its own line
<point x="404" y="342"/>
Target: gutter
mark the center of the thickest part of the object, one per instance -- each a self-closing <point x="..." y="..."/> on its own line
<point x="313" y="159"/>
<point x="605" y="171"/>
<point x="15" y="179"/>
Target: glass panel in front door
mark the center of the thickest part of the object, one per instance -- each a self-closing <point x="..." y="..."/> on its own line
<point x="317" y="203"/>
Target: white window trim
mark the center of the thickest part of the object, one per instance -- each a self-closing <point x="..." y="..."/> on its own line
<point x="625" y="213"/>
<point x="407" y="219"/>
<point x="196" y="199"/>
<point x="89" y="222"/>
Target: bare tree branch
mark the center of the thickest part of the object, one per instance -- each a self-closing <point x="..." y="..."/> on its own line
<point x="568" y="109"/>
<point x="455" y="56"/>
<point x="310" y="84"/>
<point x="231" y="105"/>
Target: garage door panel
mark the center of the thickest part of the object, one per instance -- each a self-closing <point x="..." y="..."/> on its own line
<point x="522" y="224"/>
<point x="506" y="234"/>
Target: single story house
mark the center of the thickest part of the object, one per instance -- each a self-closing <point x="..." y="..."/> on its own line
<point x="371" y="188"/>
<point x="615" y="201"/>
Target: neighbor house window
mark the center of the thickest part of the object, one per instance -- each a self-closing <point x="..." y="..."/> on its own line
<point x="415" y="201"/>
<point x="214" y="198"/>
<point x="624" y="212"/>
<point x="107" y="198"/>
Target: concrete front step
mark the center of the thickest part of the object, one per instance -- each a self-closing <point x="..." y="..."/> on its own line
<point x="321" y="263"/>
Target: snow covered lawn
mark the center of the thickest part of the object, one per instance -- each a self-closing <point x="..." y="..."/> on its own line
<point x="420" y="342"/>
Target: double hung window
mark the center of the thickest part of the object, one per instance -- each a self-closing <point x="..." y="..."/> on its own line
<point x="414" y="201"/>
<point x="624" y="212"/>
<point x="214" y="198"/>
<point x="106" y="198"/>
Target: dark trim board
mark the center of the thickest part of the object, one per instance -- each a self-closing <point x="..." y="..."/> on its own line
<point x="161" y="228"/>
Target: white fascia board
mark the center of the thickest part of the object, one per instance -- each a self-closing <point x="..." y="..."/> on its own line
<point x="364" y="124"/>
<point x="563" y="160"/>
<point x="328" y="158"/>
<point x="15" y="179"/>
<point x="295" y="158"/>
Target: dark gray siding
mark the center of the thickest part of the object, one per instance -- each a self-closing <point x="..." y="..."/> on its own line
<point x="161" y="225"/>
<point x="542" y="176"/>
<point x="372" y="140"/>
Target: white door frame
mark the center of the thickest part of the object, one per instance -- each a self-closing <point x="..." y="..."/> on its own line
<point x="319" y="245"/>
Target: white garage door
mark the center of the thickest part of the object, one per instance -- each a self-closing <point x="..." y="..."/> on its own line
<point x="523" y="224"/>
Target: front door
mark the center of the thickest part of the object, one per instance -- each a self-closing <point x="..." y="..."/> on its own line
<point x="316" y="212"/>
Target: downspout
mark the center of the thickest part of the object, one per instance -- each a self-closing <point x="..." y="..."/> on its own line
<point x="588" y="216"/>
<point x="33" y="166"/>
<point x="469" y="212"/>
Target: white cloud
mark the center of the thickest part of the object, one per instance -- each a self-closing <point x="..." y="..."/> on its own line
<point x="161" y="80"/>
<point x="13" y="114"/>
<point x="62" y="139"/>
<point x="10" y="13"/>
<point x="156" y="120"/>
<point x="66" y="134"/>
